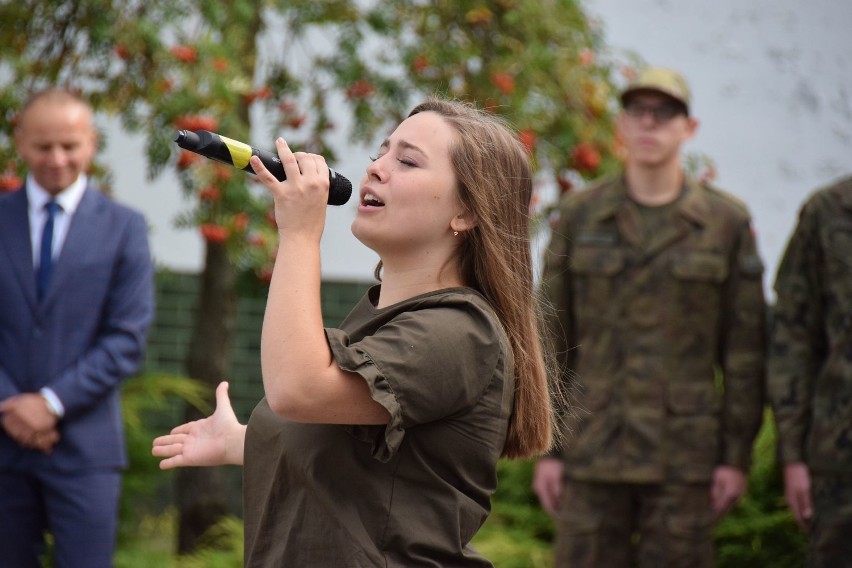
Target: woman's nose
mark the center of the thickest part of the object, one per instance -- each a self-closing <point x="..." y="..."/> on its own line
<point x="376" y="169"/>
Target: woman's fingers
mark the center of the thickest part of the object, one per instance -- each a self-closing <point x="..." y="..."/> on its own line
<point x="172" y="462"/>
<point x="264" y="175"/>
<point x="295" y="164"/>
<point x="166" y="450"/>
<point x="288" y="159"/>
<point x="309" y="163"/>
<point x="171" y="448"/>
<point x="169" y="440"/>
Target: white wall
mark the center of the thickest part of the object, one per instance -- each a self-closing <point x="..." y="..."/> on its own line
<point x="772" y="84"/>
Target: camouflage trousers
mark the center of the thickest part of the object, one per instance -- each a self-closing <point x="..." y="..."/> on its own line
<point x="830" y="543"/>
<point x="615" y="525"/>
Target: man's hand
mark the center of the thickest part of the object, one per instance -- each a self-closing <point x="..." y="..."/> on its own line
<point x="27" y="420"/>
<point x="548" y="484"/>
<point x="797" y="491"/>
<point x="729" y="484"/>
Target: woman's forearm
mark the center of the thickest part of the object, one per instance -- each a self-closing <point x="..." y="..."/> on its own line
<point x="294" y="350"/>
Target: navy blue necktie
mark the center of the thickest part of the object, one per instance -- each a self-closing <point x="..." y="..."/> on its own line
<point x="45" y="266"/>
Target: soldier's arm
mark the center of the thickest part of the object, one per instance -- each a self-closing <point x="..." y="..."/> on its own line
<point x="798" y="339"/>
<point x="744" y="352"/>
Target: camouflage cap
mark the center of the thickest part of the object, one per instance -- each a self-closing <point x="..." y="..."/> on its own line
<point x="660" y="80"/>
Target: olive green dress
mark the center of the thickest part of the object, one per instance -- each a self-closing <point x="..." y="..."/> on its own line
<point x="409" y="493"/>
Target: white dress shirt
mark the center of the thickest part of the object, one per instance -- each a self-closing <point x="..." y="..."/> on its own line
<point x="68" y="199"/>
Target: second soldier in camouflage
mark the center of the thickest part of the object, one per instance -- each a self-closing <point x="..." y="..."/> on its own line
<point x="810" y="373"/>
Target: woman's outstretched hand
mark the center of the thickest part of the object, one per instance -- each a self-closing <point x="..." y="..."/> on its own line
<point x="218" y="439"/>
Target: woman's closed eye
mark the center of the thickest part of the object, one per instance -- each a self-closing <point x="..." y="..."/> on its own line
<point x="404" y="161"/>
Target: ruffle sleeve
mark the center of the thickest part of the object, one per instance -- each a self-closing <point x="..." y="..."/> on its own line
<point x="422" y="366"/>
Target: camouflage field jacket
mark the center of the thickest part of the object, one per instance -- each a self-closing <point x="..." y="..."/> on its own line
<point x="662" y="333"/>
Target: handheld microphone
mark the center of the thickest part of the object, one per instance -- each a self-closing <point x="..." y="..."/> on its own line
<point x="237" y="154"/>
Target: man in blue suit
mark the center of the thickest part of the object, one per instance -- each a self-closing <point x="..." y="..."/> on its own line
<point x="76" y="302"/>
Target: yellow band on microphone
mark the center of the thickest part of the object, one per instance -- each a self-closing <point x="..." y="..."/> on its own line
<point x="240" y="152"/>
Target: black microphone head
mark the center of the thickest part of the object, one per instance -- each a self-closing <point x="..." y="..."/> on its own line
<point x="340" y="190"/>
<point x="187" y="139"/>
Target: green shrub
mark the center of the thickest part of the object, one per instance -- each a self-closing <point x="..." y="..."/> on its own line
<point x="220" y="547"/>
<point x="153" y="545"/>
<point x="151" y="405"/>
<point x="518" y="533"/>
<point x="760" y="531"/>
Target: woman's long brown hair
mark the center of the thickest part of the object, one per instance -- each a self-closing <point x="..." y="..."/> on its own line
<point x="495" y="185"/>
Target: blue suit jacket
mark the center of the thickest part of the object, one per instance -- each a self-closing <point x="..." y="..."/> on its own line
<point x="85" y="336"/>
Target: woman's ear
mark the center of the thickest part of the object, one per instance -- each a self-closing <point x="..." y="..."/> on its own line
<point x="463" y="222"/>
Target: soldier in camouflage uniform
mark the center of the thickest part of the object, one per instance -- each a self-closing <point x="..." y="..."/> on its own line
<point x="810" y="373"/>
<point x="659" y="312"/>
